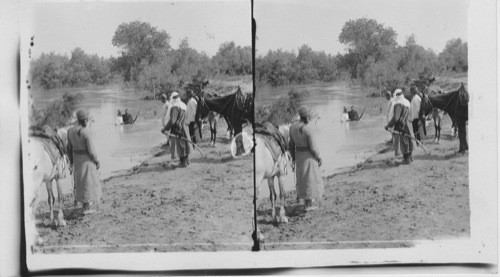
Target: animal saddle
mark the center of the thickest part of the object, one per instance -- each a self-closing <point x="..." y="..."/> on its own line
<point x="52" y="143"/>
<point x="273" y="139"/>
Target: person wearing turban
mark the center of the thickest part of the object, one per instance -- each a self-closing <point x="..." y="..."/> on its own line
<point x="83" y="159"/>
<point x="307" y="159"/>
<point x="399" y="115"/>
<point x="177" y="125"/>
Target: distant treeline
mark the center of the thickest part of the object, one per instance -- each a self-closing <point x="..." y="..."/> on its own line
<point x="373" y="58"/>
<point x="147" y="61"/>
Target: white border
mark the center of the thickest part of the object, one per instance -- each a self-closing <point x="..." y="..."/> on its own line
<point x="483" y="168"/>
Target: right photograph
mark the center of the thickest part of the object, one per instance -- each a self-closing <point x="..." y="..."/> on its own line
<point x="361" y="123"/>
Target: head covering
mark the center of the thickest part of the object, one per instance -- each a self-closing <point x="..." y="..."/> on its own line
<point x="82" y="114"/>
<point x="398" y="92"/>
<point x="176" y="101"/>
<point x="304" y="111"/>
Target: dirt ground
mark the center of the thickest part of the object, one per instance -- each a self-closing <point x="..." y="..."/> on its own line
<point x="382" y="203"/>
<point x="158" y="207"/>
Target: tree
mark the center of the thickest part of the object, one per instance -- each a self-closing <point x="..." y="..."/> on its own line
<point x="139" y="42"/>
<point x="366" y="38"/>
<point x="454" y="56"/>
<point x="233" y="60"/>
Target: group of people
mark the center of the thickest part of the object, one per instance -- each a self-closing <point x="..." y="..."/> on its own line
<point x="403" y="118"/>
<point x="180" y="125"/>
<point x="124" y="118"/>
<point x="181" y="128"/>
<point x="351" y="115"/>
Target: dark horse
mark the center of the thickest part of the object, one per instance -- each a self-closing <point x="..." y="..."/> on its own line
<point x="455" y="104"/>
<point x="236" y="108"/>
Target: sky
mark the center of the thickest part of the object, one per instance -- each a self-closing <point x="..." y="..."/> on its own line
<point x="61" y="27"/>
<point x="318" y="23"/>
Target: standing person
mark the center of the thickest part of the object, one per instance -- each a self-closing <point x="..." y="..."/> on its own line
<point x="414" y="112"/>
<point x="395" y="138"/>
<point x="192" y="104"/>
<point x="306" y="157"/>
<point x="345" y="115"/>
<point x="177" y="126"/>
<point x="127" y="118"/>
<point x="165" y="118"/>
<point x="164" y="113"/>
<point x="399" y="119"/>
<point x="353" y="114"/>
<point x="83" y="159"/>
<point x="119" y="118"/>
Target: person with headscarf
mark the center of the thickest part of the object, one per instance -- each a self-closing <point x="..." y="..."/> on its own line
<point x="83" y="159"/>
<point x="119" y="118"/>
<point x="399" y="115"/>
<point x="394" y="138"/>
<point x="307" y="159"/>
<point x="178" y="128"/>
<point x="345" y="115"/>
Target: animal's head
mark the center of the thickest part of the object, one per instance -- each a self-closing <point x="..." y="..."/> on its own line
<point x="201" y="109"/>
<point x="425" y="105"/>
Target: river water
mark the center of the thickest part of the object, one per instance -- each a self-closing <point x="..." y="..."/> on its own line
<point x="341" y="144"/>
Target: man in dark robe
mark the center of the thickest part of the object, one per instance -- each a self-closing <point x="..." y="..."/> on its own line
<point x="127" y="118"/>
<point x="353" y="115"/>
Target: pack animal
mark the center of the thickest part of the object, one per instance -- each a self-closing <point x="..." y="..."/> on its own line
<point x="47" y="162"/>
<point x="454" y="104"/>
<point x="232" y="107"/>
<point x="271" y="160"/>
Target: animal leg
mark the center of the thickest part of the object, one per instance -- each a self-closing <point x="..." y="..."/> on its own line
<point x="60" y="200"/>
<point x="50" y="199"/>
<point x="462" y="136"/>
<point x="272" y="197"/>
<point x="282" y="216"/>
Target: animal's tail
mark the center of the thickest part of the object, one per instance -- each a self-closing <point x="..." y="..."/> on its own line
<point x="137" y="115"/>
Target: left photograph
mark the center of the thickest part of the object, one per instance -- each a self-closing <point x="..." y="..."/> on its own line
<point x="136" y="126"/>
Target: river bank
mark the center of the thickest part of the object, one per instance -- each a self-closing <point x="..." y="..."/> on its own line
<point x="382" y="203"/>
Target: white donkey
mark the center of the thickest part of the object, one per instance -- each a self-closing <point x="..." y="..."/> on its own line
<point x="268" y="167"/>
<point x="43" y="167"/>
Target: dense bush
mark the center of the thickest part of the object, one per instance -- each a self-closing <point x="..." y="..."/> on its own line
<point x="454" y="56"/>
<point x="279" y="67"/>
<point x="281" y="111"/>
<point x="374" y="58"/>
<point x="54" y="71"/>
<point x="57" y="113"/>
